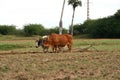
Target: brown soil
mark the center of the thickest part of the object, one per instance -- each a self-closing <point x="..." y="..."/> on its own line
<point x="36" y="65"/>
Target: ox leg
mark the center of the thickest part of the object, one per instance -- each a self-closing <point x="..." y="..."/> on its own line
<point x="44" y="49"/>
<point x="56" y="50"/>
<point x="69" y="47"/>
<point x="53" y="49"/>
<point x="47" y="49"/>
<point x="60" y="49"/>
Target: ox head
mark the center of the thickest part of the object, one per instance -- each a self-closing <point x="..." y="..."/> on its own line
<point x="40" y="41"/>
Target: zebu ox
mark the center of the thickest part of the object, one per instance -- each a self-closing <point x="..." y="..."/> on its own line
<point x="57" y="41"/>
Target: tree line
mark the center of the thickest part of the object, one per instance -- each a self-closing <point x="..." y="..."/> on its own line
<point x="28" y="30"/>
<point x="107" y="27"/>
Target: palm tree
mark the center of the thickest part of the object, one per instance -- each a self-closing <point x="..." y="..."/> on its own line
<point x="60" y="23"/>
<point x="74" y="3"/>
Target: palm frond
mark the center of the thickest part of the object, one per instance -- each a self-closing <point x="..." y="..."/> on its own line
<point x="75" y="3"/>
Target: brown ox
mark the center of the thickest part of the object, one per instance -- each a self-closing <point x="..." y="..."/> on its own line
<point x="58" y="41"/>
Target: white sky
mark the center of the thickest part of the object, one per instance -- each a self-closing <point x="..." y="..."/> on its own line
<point x="47" y="12"/>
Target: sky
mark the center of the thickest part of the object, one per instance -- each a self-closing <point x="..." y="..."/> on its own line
<point x="47" y="12"/>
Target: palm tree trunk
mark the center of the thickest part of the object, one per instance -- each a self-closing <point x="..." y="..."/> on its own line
<point x="60" y="23"/>
<point x="72" y="21"/>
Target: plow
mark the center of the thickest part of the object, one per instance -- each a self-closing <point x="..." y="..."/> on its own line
<point x="85" y="49"/>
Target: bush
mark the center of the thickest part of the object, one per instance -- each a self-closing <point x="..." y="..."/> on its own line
<point x="56" y="30"/>
<point x="108" y="27"/>
<point x="105" y="28"/>
<point x="7" y="30"/>
<point x="33" y="29"/>
<point x="79" y="29"/>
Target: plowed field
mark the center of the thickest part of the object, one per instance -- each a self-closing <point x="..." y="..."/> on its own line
<point x="28" y="63"/>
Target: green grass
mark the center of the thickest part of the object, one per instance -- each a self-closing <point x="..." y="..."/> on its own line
<point x="10" y="42"/>
<point x="13" y="37"/>
<point x="12" y="45"/>
<point x="100" y="44"/>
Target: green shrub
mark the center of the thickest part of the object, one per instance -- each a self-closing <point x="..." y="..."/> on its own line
<point x="7" y="30"/>
<point x="33" y="29"/>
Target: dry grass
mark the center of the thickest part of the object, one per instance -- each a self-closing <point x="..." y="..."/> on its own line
<point x="61" y="66"/>
<point x="32" y="64"/>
